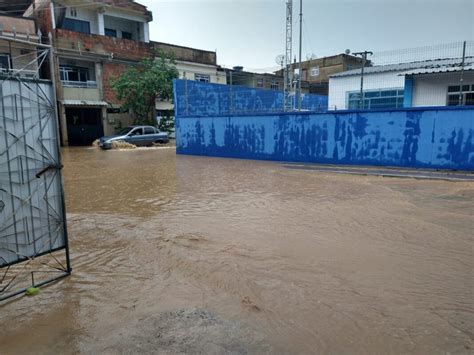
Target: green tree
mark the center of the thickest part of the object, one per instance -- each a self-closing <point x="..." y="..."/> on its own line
<point x="139" y="87"/>
<point x="166" y="123"/>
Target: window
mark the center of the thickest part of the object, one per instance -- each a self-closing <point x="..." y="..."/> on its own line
<point x="126" y="35"/>
<point x="202" y="78"/>
<point x="73" y="74"/>
<point x="4" y="62"/>
<point x="137" y="132"/>
<point x="260" y="83"/>
<point x="377" y="99"/>
<point x="76" y="25"/>
<point x="349" y="66"/>
<point x="110" y="32"/>
<point x="73" y="12"/>
<point x="467" y="95"/>
<point x="149" y="130"/>
<point x="274" y="85"/>
<point x="315" y="71"/>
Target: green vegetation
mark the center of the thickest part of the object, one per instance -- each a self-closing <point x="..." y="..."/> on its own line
<point x="139" y="87"/>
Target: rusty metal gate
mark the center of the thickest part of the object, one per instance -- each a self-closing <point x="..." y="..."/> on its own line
<point x="33" y="235"/>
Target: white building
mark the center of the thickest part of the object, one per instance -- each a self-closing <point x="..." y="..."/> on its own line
<point x="416" y="84"/>
<point x="192" y="64"/>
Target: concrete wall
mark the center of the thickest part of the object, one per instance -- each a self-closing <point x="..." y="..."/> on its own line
<point x="431" y="138"/>
<point x="432" y="90"/>
<point x="339" y="87"/>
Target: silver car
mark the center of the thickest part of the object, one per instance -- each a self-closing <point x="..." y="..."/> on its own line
<point x="136" y="135"/>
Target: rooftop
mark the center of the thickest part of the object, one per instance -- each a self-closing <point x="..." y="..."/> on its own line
<point x="426" y="65"/>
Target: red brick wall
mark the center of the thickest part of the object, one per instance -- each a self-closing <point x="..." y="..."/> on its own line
<point x="120" y="48"/>
<point x="110" y="72"/>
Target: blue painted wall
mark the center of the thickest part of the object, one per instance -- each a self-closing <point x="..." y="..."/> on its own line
<point x="430" y="137"/>
<point x="193" y="98"/>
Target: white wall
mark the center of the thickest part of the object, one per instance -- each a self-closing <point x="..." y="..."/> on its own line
<point x="120" y="25"/>
<point x="189" y="69"/>
<point x="432" y="90"/>
<point x="339" y="87"/>
<point x="84" y="14"/>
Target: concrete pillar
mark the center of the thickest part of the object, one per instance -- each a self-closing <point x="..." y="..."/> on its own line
<point x="100" y="23"/>
<point x="53" y="18"/>
<point x="63" y="125"/>
<point x="146" y="32"/>
<point x="408" y="93"/>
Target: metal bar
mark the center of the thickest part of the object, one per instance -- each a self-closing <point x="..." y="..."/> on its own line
<point x="20" y="260"/>
<point x="43" y="283"/>
<point x="16" y="40"/>
<point x="461" y="80"/>
<point x="58" y="151"/>
<point x="300" y="72"/>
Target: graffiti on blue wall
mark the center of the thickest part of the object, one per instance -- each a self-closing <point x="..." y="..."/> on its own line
<point x="431" y="137"/>
<point x="193" y="98"/>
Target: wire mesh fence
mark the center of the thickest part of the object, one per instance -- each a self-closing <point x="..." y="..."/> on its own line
<point x="204" y="99"/>
<point x="438" y="75"/>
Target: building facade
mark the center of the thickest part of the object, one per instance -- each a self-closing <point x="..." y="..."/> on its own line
<point x="269" y="81"/>
<point x="192" y="64"/>
<point x="415" y="84"/>
<point x="95" y="41"/>
<point x="316" y="72"/>
<point x="18" y="58"/>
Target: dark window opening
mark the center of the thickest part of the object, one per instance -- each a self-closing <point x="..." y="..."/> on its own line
<point x="110" y="32"/>
<point x="4" y="62"/>
<point x="126" y="35"/>
<point x="76" y="25"/>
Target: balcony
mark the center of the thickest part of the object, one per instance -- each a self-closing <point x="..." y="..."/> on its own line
<point x="79" y="84"/>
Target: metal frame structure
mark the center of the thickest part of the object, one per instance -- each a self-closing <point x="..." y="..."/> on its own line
<point x="288" y="80"/>
<point x="33" y="230"/>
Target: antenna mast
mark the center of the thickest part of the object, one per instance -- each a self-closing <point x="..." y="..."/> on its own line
<point x="289" y="45"/>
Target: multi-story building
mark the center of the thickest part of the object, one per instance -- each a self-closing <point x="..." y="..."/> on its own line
<point x="95" y="41"/>
<point x="316" y="72"/>
<point x="19" y="57"/>
<point x="237" y="76"/>
<point x="192" y="64"/>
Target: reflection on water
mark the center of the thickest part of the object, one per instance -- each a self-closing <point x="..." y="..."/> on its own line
<point x="192" y="254"/>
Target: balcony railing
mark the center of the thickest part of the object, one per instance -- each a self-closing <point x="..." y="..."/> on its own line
<point x="80" y="84"/>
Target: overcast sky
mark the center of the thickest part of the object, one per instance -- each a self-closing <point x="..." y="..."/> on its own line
<point x="252" y="32"/>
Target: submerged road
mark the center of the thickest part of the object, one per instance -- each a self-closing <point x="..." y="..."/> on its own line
<point x="178" y="254"/>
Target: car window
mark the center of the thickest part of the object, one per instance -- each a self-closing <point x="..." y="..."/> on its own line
<point x="149" y="130"/>
<point x="125" y="130"/>
<point x="137" y="132"/>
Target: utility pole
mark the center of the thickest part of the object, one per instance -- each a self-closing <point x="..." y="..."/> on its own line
<point x="300" y="73"/>
<point x="462" y="73"/>
<point x="364" y="61"/>
<point x="288" y="49"/>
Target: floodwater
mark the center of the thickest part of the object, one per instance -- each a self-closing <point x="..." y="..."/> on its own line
<point x="176" y="254"/>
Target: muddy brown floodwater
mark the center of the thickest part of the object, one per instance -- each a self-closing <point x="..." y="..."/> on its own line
<point x="176" y="254"/>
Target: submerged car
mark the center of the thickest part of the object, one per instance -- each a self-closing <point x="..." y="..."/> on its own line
<point x="136" y="135"/>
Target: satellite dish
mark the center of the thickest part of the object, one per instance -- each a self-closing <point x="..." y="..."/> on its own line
<point x="348" y="51"/>
<point x="280" y="59"/>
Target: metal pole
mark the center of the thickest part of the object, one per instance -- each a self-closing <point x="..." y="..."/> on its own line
<point x="361" y="97"/>
<point x="231" y="93"/>
<point x="300" y="73"/>
<point x="461" y="80"/>
<point x="364" y="62"/>
<point x="58" y="149"/>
